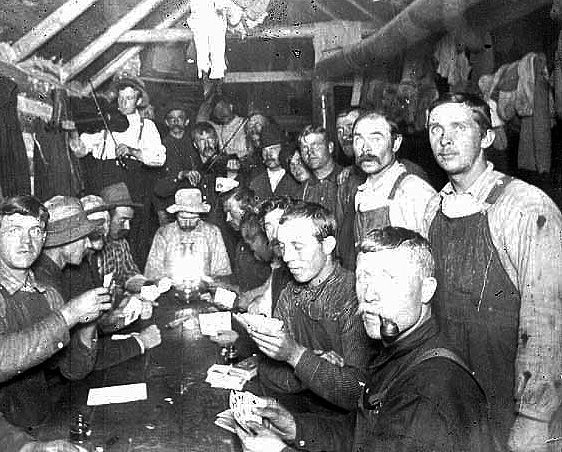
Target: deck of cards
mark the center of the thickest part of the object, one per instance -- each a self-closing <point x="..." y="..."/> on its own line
<point x="260" y="323"/>
<point x="241" y="411"/>
<point x="232" y="377"/>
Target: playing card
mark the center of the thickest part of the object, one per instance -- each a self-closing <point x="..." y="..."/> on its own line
<point x="241" y="404"/>
<point x="260" y="323"/>
<point x="107" y="279"/>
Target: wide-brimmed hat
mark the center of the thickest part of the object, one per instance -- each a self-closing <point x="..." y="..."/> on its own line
<point x="93" y="204"/>
<point x="189" y="200"/>
<point x="68" y="221"/>
<point x="117" y="195"/>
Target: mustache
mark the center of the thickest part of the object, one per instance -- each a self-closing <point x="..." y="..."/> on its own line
<point x="367" y="158"/>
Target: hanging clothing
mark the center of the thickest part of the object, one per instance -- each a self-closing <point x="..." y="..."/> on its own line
<point x="14" y="165"/>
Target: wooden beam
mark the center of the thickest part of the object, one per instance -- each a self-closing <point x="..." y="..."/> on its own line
<point x="96" y="48"/>
<point x="363" y="10"/>
<point x="141" y="36"/>
<point x="118" y="62"/>
<point x="245" y="77"/>
<point x="324" y="9"/>
<point x="48" y="27"/>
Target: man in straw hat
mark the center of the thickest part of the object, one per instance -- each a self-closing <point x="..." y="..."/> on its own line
<point x="35" y="323"/>
<point x="189" y="248"/>
<point x="116" y="257"/>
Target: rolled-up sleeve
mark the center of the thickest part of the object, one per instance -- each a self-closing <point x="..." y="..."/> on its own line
<point x="153" y="152"/>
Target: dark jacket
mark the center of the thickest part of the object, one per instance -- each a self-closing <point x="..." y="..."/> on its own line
<point x="262" y="188"/>
<point x="74" y="281"/>
<point x="435" y="406"/>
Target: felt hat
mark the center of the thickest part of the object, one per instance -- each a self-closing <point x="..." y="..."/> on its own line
<point x="68" y="221"/>
<point x="93" y="203"/>
<point x="189" y="200"/>
<point x="270" y="136"/>
<point x="117" y="195"/>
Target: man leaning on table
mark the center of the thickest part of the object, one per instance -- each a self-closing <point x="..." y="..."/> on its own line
<point x="36" y="324"/>
<point x="419" y="396"/>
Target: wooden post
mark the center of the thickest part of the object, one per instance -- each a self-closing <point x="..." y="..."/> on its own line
<point x="48" y="27"/>
<point x="96" y="48"/>
<point x="323" y="112"/>
<point x="126" y="55"/>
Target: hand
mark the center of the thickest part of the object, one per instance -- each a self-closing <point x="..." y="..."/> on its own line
<point x="280" y="346"/>
<point x="194" y="178"/>
<point x="254" y="306"/>
<point x="331" y="356"/>
<point x="262" y="439"/>
<point x="150" y="337"/>
<point x="58" y="445"/>
<point x="135" y="283"/>
<point x="88" y="333"/>
<point x="277" y="419"/>
<point x="86" y="307"/>
<point x="344" y="175"/>
<point x="528" y="435"/>
<point x="122" y="150"/>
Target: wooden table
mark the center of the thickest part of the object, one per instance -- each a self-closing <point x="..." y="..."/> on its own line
<point x="180" y="410"/>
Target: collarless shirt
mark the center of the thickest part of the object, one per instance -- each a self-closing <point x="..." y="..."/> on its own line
<point x="323" y="191"/>
<point x="526" y="226"/>
<point x="410" y="201"/>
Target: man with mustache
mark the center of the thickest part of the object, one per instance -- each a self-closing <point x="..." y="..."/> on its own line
<point x="497" y="246"/>
<point x="418" y="395"/>
<point x="390" y="196"/>
<point x="274" y="180"/>
<point x="116" y="257"/>
<point x="190" y="248"/>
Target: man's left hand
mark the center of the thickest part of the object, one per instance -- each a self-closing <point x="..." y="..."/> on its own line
<point x="280" y="346"/>
<point x="528" y="435"/>
<point x="262" y="439"/>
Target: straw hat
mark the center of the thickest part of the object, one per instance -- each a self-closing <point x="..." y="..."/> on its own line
<point x="189" y="200"/>
<point x="68" y="221"/>
<point x="117" y="195"/>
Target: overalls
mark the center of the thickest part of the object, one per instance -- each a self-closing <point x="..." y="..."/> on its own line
<point x="477" y="305"/>
<point x="376" y="218"/>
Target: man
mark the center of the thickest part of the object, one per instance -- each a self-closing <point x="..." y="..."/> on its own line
<point x="419" y="395"/>
<point x="181" y="157"/>
<point x="249" y="272"/>
<point x="116" y="257"/>
<point x="344" y="129"/>
<point x="497" y="248"/>
<point x="319" y="311"/>
<point x="274" y="180"/>
<point x="189" y="248"/>
<point x="230" y="129"/>
<point x="35" y="323"/>
<point x="66" y="244"/>
<point x="133" y="156"/>
<point x="13" y="439"/>
<point x="316" y="152"/>
<point x="389" y="196"/>
<point x="260" y="233"/>
<point x="141" y="141"/>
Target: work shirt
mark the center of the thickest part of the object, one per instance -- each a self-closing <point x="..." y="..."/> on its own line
<point x="322" y="191"/>
<point x="434" y="406"/>
<point x="116" y="258"/>
<point x="322" y="317"/>
<point x="525" y="227"/>
<point x="141" y="134"/>
<point x="178" y="254"/>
